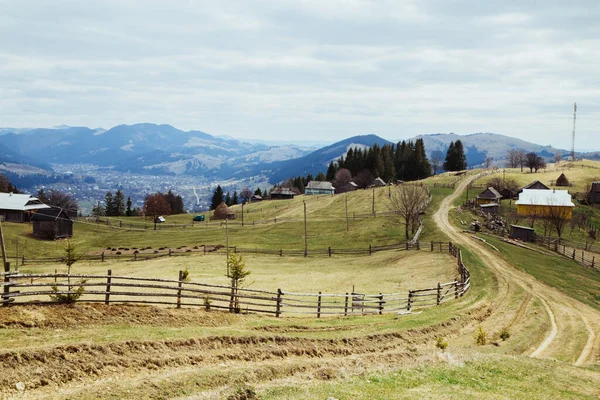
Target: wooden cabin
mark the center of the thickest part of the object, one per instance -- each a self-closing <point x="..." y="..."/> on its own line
<point x="489" y="195"/>
<point x="282" y="193"/>
<point x="490" y="208"/>
<point x="52" y="223"/>
<point x="16" y="207"/>
<point x="595" y="193"/>
<point x="317" y="187"/>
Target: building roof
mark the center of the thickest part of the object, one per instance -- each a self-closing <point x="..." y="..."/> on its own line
<point x="489" y="193"/>
<point x="525" y="228"/>
<point x="536" y="185"/>
<point x="317" y="185"/>
<point x="20" y="202"/>
<point x="50" y="214"/>
<point x="379" y="182"/>
<point x="490" y="205"/>
<point x="283" y="191"/>
<point x="545" y="198"/>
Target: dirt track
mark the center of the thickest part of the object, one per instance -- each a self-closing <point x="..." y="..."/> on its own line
<point x="566" y="315"/>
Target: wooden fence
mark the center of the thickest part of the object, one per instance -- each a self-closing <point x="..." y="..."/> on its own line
<point x="21" y="288"/>
<point x="577" y="255"/>
<point x="207" y="249"/>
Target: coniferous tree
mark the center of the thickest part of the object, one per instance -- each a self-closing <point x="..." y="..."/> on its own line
<point x="461" y="157"/>
<point x="109" y="204"/>
<point x="450" y="162"/>
<point x="331" y="170"/>
<point x="258" y="192"/>
<point x="129" y="211"/>
<point x="217" y="197"/>
<point x="227" y="199"/>
<point x="234" y="199"/>
<point x="119" y="204"/>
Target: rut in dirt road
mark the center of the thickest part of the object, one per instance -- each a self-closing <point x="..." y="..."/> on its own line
<point x="566" y="315"/>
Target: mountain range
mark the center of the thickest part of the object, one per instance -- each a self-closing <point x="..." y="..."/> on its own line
<point x="163" y="149"/>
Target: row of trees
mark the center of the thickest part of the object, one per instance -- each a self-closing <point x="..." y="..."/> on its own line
<point x="219" y="196"/>
<point x="406" y="161"/>
<point x="163" y="204"/>
<point x="6" y="186"/>
<point x="519" y="158"/>
<point x="57" y="198"/>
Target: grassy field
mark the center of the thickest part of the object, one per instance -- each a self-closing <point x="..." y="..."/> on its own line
<point x="94" y="351"/>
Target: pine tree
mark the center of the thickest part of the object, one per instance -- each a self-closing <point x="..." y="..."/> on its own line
<point x="217" y="197"/>
<point x="234" y="199"/>
<point x="129" y="211"/>
<point x="450" y="162"/>
<point x="119" y="204"/>
<point x="330" y="176"/>
<point x="258" y="192"/>
<point x="109" y="204"/>
<point x="461" y="158"/>
<point x="424" y="168"/>
<point x="228" y="199"/>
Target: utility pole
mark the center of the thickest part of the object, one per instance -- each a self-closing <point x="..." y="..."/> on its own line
<point x="227" y="244"/>
<point x="347" y="227"/>
<point x="573" y="136"/>
<point x="5" y="263"/>
<point x="373" y="208"/>
<point x="305" y="233"/>
<point x="243" y="202"/>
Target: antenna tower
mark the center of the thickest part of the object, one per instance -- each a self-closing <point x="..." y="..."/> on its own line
<point x="573" y="136"/>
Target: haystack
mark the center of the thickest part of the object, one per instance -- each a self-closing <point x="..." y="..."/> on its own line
<point x="223" y="212"/>
<point x="562" y="180"/>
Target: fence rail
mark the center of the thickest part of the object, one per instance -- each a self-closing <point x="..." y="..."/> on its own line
<point x="218" y="248"/>
<point x="26" y="288"/>
<point x="562" y="247"/>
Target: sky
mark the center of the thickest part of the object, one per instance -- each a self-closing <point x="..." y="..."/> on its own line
<point x="306" y="69"/>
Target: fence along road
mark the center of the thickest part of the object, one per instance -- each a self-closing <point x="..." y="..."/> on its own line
<point x="110" y="289"/>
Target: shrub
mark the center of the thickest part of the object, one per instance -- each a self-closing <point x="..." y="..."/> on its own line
<point x="504" y="333"/>
<point x="481" y="337"/>
<point x="207" y="302"/>
<point x="441" y="343"/>
<point x="68" y="298"/>
<point x="185" y="275"/>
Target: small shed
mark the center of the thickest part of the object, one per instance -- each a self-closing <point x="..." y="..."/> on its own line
<point x="523" y="233"/>
<point x="52" y="223"/>
<point x="378" y="182"/>
<point x="491" y="208"/>
<point x="348" y="187"/>
<point x="223" y="212"/>
<point x="507" y="193"/>
<point x="489" y="195"/>
<point x="595" y="193"/>
<point x="282" y="193"/>
<point x="255" y="198"/>
<point x="562" y="180"/>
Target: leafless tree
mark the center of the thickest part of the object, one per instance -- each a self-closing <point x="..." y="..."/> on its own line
<point x="488" y="162"/>
<point x="558" y="216"/>
<point x="557" y="157"/>
<point x="521" y="158"/>
<point x="435" y="160"/>
<point x="342" y="177"/>
<point x="407" y="202"/>
<point x="515" y="158"/>
<point x="364" y="179"/>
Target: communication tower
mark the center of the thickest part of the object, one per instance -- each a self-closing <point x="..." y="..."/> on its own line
<point x="573" y="136"/>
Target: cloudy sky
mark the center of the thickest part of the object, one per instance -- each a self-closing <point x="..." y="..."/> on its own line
<point x="313" y="69"/>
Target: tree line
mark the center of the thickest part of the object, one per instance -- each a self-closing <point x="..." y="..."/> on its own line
<point x="6" y="185"/>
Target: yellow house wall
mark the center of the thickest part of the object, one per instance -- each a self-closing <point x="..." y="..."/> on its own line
<point x="542" y="211"/>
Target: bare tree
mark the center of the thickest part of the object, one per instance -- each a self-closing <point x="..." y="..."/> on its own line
<point x="488" y="162"/>
<point x="342" y="178"/>
<point x="558" y="216"/>
<point x="436" y="159"/>
<point x="557" y="157"/>
<point x="407" y="202"/>
<point x="521" y="158"/>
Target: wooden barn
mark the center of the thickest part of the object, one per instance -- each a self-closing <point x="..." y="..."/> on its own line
<point x="535" y="185"/>
<point x="223" y="212"/>
<point x="255" y="198"/>
<point x="595" y="193"/>
<point x="19" y="207"/>
<point x="317" y="187"/>
<point x="348" y="187"/>
<point x="52" y="223"/>
<point x="545" y="203"/>
<point x="282" y="193"/>
<point x="489" y="195"/>
<point x="523" y="233"/>
<point x="378" y="182"/>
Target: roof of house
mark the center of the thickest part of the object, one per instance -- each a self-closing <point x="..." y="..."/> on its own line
<point x="351" y="184"/>
<point x="283" y="191"/>
<point x="318" y="185"/>
<point x="489" y="193"/>
<point x="525" y="228"/>
<point x="545" y="198"/>
<point x="50" y="214"/>
<point x="536" y="185"/>
<point x="20" y="202"/>
<point x="379" y="181"/>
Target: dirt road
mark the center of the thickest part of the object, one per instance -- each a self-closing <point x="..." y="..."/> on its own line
<point x="567" y="317"/>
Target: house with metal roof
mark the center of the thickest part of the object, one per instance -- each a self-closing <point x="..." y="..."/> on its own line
<point x="52" y="223"/>
<point x="282" y="193"/>
<point x="545" y="203"/>
<point x="317" y="187"/>
<point x="15" y="207"/>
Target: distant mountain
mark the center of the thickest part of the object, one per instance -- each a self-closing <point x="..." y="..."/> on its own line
<point x="147" y="148"/>
<point x="478" y="146"/>
<point x="316" y="161"/>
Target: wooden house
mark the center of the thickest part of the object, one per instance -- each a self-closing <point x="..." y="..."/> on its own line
<point x="523" y="233"/>
<point x="595" y="193"/>
<point x="378" y="182"/>
<point x="255" y="198"/>
<point x="489" y="195"/>
<point x="52" y="223"/>
<point x="348" y="187"/>
<point x="535" y="185"/>
<point x="223" y="212"/>
<point x="19" y="207"/>
<point x="282" y="193"/>
<point x="545" y="203"/>
<point x="317" y="187"/>
<point x="507" y="193"/>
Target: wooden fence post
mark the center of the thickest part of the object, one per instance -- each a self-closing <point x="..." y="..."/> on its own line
<point x="418" y="245"/>
<point x="456" y="290"/>
<point x="573" y="254"/>
<point x="370" y="250"/>
<point x="381" y="302"/>
<point x="346" y="306"/>
<point x="329" y="250"/>
<point x="593" y="258"/>
<point x="108" y="280"/>
<point x="280" y="252"/>
<point x="169" y="252"/>
<point x="134" y="256"/>
<point x="55" y="272"/>
<point x="204" y="247"/>
<point x="23" y="261"/>
<point x="432" y="245"/>
<point x="582" y="257"/>
<point x="439" y="294"/>
<point x="409" y="304"/>
<point x="278" y="305"/>
<point x="179" y="284"/>
<point x="406" y="244"/>
<point x="319" y="306"/>
<point x="102" y="256"/>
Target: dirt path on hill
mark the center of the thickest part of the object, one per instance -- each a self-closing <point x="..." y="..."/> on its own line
<point x="566" y="315"/>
